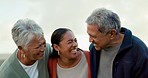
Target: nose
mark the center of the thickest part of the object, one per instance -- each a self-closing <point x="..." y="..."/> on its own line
<point x="90" y="39"/>
<point x="75" y="44"/>
<point x="43" y="47"/>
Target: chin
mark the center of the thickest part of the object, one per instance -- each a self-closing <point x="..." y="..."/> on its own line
<point x="98" y="48"/>
<point x="40" y="58"/>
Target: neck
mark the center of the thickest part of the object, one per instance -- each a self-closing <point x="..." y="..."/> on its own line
<point x="116" y="41"/>
<point x="24" y="60"/>
<point x="68" y="63"/>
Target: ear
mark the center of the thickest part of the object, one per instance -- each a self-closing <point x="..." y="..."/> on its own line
<point x="21" y="49"/>
<point x="56" y="47"/>
<point x="113" y="33"/>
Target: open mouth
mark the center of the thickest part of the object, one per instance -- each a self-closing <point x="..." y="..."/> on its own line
<point x="74" y="51"/>
<point x="41" y="54"/>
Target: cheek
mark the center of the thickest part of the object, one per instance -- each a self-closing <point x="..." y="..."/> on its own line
<point x="34" y="52"/>
<point x="66" y="46"/>
<point x="100" y="41"/>
<point x="65" y="49"/>
<point x="105" y="41"/>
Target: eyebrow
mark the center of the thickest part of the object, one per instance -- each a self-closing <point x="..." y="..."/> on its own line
<point x="91" y="35"/>
<point x="41" y="43"/>
<point x="71" y="39"/>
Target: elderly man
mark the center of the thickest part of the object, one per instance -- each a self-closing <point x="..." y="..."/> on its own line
<point x="115" y="52"/>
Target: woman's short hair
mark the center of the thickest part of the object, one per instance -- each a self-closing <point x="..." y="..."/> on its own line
<point x="24" y="30"/>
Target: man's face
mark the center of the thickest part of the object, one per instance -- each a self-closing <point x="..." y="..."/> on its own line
<point x="100" y="40"/>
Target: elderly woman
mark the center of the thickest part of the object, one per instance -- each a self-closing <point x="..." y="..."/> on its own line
<point x="67" y="60"/>
<point x="30" y="59"/>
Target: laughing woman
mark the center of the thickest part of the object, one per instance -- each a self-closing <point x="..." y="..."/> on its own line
<point x="67" y="60"/>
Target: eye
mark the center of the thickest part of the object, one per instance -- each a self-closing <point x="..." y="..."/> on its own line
<point x="92" y="36"/>
<point x="69" y="42"/>
<point x="37" y="47"/>
<point x="75" y="40"/>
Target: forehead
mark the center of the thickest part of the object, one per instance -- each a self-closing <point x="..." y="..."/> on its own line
<point x="92" y="29"/>
<point x="37" y="41"/>
<point x="68" y="35"/>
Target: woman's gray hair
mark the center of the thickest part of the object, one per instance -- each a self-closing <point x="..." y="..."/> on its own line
<point x="104" y="19"/>
<point x="24" y="30"/>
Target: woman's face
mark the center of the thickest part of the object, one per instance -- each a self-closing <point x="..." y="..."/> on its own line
<point x="68" y="46"/>
<point x="36" y="49"/>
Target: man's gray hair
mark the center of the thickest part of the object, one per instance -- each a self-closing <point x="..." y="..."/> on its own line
<point x="24" y="30"/>
<point x="104" y="19"/>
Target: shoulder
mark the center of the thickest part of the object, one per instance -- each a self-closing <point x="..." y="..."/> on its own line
<point x="139" y="45"/>
<point x="6" y="72"/>
<point x="91" y="46"/>
<point x="6" y="69"/>
<point x="87" y="53"/>
<point x="7" y="63"/>
<point x="48" y="46"/>
<point x="48" y="50"/>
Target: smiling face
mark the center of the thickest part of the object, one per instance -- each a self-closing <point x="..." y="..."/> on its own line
<point x="67" y="46"/>
<point x="100" y="40"/>
<point x="35" y="49"/>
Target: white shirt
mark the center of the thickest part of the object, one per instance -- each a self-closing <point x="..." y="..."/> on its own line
<point x="32" y="70"/>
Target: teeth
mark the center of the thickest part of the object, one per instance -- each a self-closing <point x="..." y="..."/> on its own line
<point x="74" y="51"/>
<point x="41" y="54"/>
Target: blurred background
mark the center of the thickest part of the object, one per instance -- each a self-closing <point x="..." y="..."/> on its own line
<point x="52" y="14"/>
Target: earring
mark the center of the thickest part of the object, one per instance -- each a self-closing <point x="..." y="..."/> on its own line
<point x="23" y="55"/>
<point x="58" y="53"/>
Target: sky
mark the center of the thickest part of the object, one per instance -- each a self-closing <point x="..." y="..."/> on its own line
<point x="53" y="14"/>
